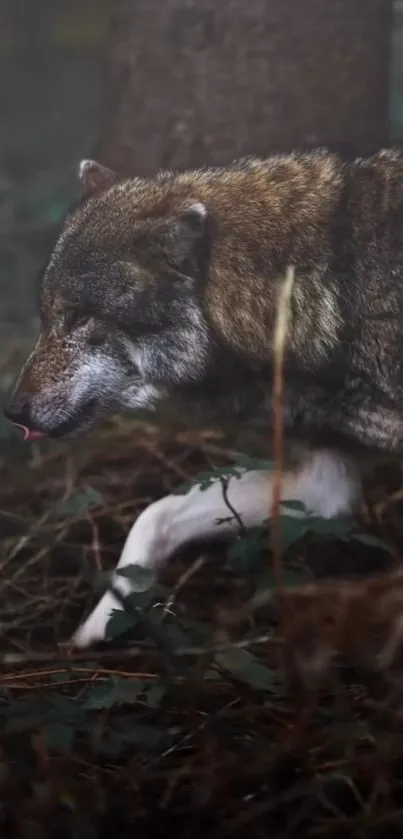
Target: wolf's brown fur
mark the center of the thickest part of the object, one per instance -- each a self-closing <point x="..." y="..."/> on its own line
<point x="183" y="267"/>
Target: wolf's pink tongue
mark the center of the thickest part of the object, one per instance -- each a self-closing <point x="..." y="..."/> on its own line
<point x="30" y="435"/>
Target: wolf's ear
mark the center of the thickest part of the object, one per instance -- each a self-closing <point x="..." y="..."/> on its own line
<point x="94" y="177"/>
<point x="183" y="235"/>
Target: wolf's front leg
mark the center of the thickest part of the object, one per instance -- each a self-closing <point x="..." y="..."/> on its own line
<point x="324" y="483"/>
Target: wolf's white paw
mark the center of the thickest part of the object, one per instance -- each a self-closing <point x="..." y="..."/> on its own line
<point x="94" y="628"/>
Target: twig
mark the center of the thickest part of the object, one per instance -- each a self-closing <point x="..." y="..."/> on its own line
<point x="242" y="529"/>
<point x="128" y="651"/>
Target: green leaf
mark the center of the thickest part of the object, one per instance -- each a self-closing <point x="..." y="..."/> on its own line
<point x="154" y="695"/>
<point x="292" y="530"/>
<point x="78" y="504"/>
<point x="28" y="715"/>
<point x="99" y="579"/>
<point x="199" y="632"/>
<point x="142" y="578"/>
<point x="114" y="743"/>
<point x="61" y="677"/>
<point x="4" y="692"/>
<point x="335" y="528"/>
<point x="116" y="691"/>
<point x="183" y="489"/>
<point x="119" y="622"/>
<point x="59" y="736"/>
<point x="212" y="676"/>
<point x="139" y="601"/>
<point x="171" y="634"/>
<point x="296" y="574"/>
<point x="244" y="554"/>
<point x="144" y="735"/>
<point x="245" y="666"/>
<point x="124" y="619"/>
<point x="292" y="575"/>
<point x="298" y="506"/>
<point x="204" y="479"/>
<point x="24" y="722"/>
<point x="372" y="542"/>
<point x="98" y="696"/>
<point x="63" y="705"/>
<point x="251" y="464"/>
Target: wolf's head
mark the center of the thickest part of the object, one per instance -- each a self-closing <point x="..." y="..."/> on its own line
<point x="122" y="320"/>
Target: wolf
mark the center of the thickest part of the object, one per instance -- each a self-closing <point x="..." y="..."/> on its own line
<point x="166" y="288"/>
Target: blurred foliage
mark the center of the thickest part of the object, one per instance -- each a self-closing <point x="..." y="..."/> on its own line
<point x="53" y="57"/>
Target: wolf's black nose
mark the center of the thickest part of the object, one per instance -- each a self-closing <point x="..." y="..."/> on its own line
<point x="19" y="413"/>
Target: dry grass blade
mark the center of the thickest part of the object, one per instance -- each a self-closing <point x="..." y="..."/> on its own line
<point x="283" y="313"/>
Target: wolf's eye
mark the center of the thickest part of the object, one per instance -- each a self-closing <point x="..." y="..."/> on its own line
<point x="78" y="321"/>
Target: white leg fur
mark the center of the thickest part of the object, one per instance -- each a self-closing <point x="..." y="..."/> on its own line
<point x="326" y="485"/>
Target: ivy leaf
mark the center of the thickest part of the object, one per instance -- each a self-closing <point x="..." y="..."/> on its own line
<point x="296" y="574"/>
<point x="115" y="742"/>
<point x="24" y="722"/>
<point x="142" y="578"/>
<point x="61" y="677"/>
<point x="125" y="618"/>
<point x="98" y="696"/>
<point x="116" y="691"/>
<point x="250" y="464"/>
<point x="246" y="667"/>
<point x="336" y="528"/>
<point x="63" y="705"/>
<point x="154" y="695"/>
<point x="119" y="622"/>
<point x="204" y="479"/>
<point x="172" y="635"/>
<point x="183" y="489"/>
<point x="5" y="693"/>
<point x="144" y="735"/>
<point x="372" y="542"/>
<point x="244" y="554"/>
<point x="297" y="506"/>
<point x="292" y="575"/>
<point x="78" y="504"/>
<point x="198" y="631"/>
<point x="59" y="736"/>
<point x="212" y="676"/>
<point x="292" y="530"/>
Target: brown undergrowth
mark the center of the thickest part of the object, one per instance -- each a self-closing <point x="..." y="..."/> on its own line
<point x="190" y="721"/>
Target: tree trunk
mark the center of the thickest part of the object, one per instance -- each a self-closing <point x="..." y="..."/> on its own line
<point x="197" y="82"/>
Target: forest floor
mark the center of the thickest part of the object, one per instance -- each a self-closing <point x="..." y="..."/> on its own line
<point x="223" y="706"/>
